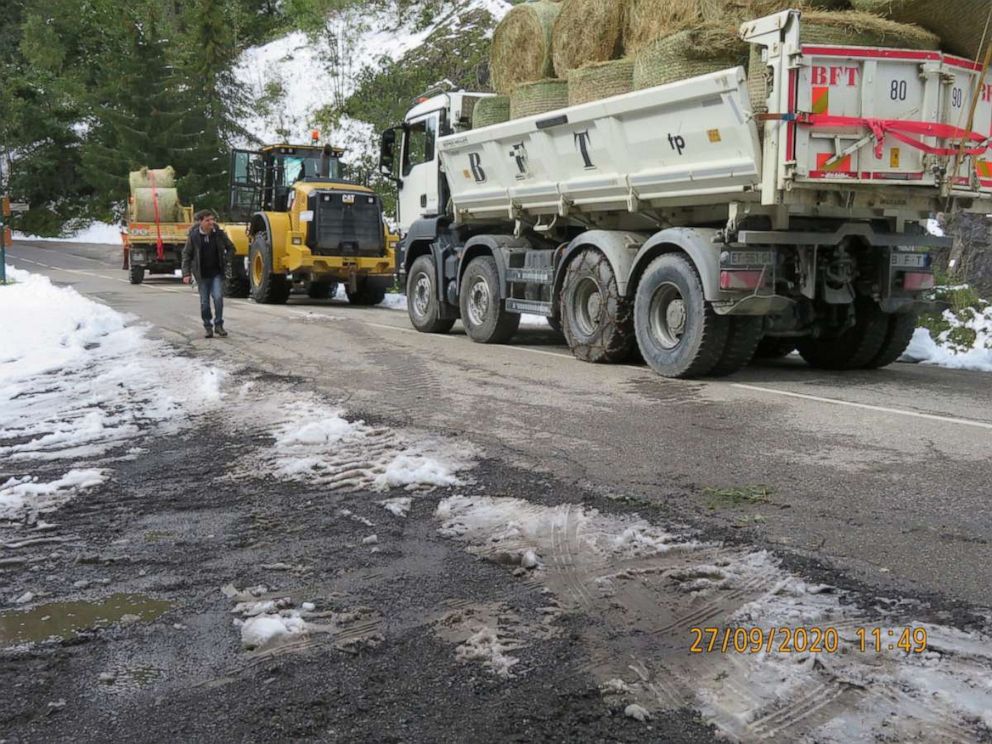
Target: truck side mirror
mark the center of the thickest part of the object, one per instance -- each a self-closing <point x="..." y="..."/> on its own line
<point x="387" y="154"/>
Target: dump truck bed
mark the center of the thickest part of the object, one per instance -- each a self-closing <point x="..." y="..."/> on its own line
<point x="852" y="132"/>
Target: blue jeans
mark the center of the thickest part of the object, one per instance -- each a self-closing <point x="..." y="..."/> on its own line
<point x="212" y="287"/>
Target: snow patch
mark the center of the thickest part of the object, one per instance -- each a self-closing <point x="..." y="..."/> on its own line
<point x="399" y="506"/>
<point x="942" y="353"/>
<point x="96" y="232"/>
<point x="18" y="494"/>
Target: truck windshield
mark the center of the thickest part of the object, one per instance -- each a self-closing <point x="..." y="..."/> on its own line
<point x="290" y="169"/>
<point x="420" y="137"/>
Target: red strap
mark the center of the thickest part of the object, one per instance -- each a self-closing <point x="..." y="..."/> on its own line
<point x="900" y="130"/>
<point x="160" y="249"/>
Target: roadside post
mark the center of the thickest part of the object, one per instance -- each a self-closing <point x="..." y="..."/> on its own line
<point x="4" y="232"/>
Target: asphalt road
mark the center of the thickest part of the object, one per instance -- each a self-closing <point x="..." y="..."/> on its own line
<point x="884" y="476"/>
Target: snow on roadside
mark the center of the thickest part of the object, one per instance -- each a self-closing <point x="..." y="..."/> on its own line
<point x="948" y="349"/>
<point x="96" y="232"/>
<point x="655" y="584"/>
<point x="77" y="381"/>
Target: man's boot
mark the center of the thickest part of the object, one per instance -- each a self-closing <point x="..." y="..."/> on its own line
<point x="220" y="330"/>
<point x="209" y="332"/>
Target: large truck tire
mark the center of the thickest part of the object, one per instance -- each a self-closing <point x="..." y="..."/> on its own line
<point x="369" y="293"/>
<point x="485" y="319"/>
<point x="596" y="320"/>
<point x="856" y="347"/>
<point x="236" y="283"/>
<point x="743" y="337"/>
<point x="136" y="274"/>
<point x="267" y="287"/>
<point x="678" y="333"/>
<point x="422" y="304"/>
<point x="773" y="347"/>
<point x="897" y="338"/>
<point x="322" y="290"/>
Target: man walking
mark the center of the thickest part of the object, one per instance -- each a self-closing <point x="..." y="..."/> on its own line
<point x="204" y="257"/>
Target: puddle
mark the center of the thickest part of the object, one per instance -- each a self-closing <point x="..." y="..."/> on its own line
<point x="65" y="619"/>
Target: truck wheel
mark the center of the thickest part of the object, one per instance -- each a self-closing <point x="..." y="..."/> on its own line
<point x="897" y="338"/>
<point x="483" y="315"/>
<point x="743" y="338"/>
<point x="136" y="274"/>
<point x="267" y="287"/>
<point x="367" y="294"/>
<point x="856" y="347"/>
<point x="595" y="318"/>
<point x="422" y="304"/>
<point x="322" y="290"/>
<point x="772" y="347"/>
<point x="236" y="282"/>
<point x="677" y="331"/>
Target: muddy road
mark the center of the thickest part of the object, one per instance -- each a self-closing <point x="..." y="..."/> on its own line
<point x="359" y="533"/>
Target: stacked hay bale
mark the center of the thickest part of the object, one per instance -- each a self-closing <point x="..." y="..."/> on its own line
<point x="491" y="110"/>
<point x="959" y="23"/>
<point x="149" y="185"/>
<point x="604" y="48"/>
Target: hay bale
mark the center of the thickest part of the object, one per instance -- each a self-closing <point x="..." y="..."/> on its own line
<point x="648" y="20"/>
<point x="738" y="11"/>
<point x="169" y="209"/>
<point x="490" y="110"/>
<point x="521" y="48"/>
<point x="587" y="31"/>
<point x="709" y="48"/>
<point x="851" y="28"/>
<point x="142" y="179"/>
<point x="959" y="23"/>
<point x="600" y="80"/>
<point x="529" y="99"/>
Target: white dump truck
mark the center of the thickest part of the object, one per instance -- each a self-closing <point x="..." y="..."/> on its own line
<point x="678" y="220"/>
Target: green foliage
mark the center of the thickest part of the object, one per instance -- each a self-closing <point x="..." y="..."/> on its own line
<point x="963" y="303"/>
<point x="737" y="496"/>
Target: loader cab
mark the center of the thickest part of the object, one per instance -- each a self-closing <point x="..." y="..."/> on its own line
<point x="263" y="180"/>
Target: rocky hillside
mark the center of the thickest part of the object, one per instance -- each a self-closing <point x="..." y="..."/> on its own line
<point x="356" y="72"/>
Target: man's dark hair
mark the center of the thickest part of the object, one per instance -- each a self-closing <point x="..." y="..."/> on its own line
<point x="204" y="213"/>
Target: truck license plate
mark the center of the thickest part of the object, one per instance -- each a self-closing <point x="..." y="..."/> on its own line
<point x="750" y="258"/>
<point x="910" y="260"/>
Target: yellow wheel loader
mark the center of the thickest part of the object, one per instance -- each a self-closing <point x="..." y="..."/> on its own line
<point x="299" y="222"/>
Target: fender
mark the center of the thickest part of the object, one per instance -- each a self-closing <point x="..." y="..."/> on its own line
<point x="421" y="231"/>
<point x="696" y="243"/>
<point x="498" y="246"/>
<point x="277" y="225"/>
<point x="619" y="247"/>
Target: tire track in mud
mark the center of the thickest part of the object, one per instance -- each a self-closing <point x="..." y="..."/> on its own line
<point x="646" y="588"/>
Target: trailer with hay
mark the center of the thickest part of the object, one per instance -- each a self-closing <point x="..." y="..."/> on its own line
<point x="157" y="224"/>
<point x="702" y="219"/>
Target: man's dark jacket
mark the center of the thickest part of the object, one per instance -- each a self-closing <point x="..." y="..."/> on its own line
<point x="194" y="248"/>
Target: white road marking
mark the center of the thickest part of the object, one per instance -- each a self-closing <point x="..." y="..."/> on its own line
<point x="865" y="406"/>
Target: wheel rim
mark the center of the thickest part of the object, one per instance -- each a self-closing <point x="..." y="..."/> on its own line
<point x="667" y="315"/>
<point x="257" y="269"/>
<point x="479" y="300"/>
<point x="587" y="306"/>
<point x="421" y="295"/>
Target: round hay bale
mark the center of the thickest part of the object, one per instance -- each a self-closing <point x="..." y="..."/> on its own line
<point x="959" y="23"/>
<point x="521" y="48"/>
<point x="529" y="99"/>
<point x="141" y="179"/>
<point x="738" y="11"/>
<point x="144" y="204"/>
<point x="843" y="29"/>
<point x="648" y="20"/>
<point x="587" y="31"/>
<point x="490" y="110"/>
<point x="600" y="80"/>
<point x="709" y="48"/>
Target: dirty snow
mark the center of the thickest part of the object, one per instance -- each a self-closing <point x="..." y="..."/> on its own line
<point x="653" y="584"/>
<point x="335" y="453"/>
<point x="399" y="506"/>
<point x="76" y="381"/>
